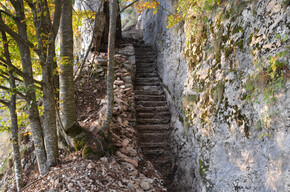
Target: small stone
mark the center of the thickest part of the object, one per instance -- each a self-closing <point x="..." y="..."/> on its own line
<point x="122" y="86"/>
<point x="131" y="186"/>
<point x="58" y="185"/>
<point x="145" y="185"/>
<point x="125" y="142"/>
<point x="70" y="187"/>
<point x="123" y="150"/>
<point x="136" y="186"/>
<point x="90" y="166"/>
<point x="119" y="82"/>
<point x="104" y="159"/>
<point x="131" y="151"/>
<point x="120" y="184"/>
<point x="132" y="161"/>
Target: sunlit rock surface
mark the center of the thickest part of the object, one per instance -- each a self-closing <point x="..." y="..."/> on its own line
<point x="221" y="141"/>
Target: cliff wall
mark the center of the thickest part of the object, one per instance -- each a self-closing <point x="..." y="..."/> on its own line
<point x="227" y="82"/>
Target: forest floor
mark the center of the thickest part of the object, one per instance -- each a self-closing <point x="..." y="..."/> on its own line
<point x="126" y="170"/>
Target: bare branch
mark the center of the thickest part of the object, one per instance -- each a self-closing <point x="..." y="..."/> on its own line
<point x="5" y="102"/>
<point x="128" y="6"/>
<point x="18" y="38"/>
<point x="15" y="91"/>
<point x="18" y="71"/>
<point x="57" y="15"/>
<point x="8" y="14"/>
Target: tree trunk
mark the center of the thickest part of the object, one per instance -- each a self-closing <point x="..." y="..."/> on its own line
<point x="46" y="34"/>
<point x="13" y="117"/>
<point x="29" y="85"/>
<point x="111" y="64"/>
<point x="119" y="26"/>
<point x="67" y="104"/>
<point x="102" y="27"/>
<point x="49" y="114"/>
<point x="99" y="26"/>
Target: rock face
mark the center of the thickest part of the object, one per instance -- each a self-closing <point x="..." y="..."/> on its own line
<point x="231" y="132"/>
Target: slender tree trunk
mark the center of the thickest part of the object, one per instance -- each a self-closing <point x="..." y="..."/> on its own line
<point x="49" y="120"/>
<point x="14" y="132"/>
<point x="13" y="116"/>
<point x="46" y="33"/>
<point x="119" y="26"/>
<point x="111" y="64"/>
<point x="29" y="85"/>
<point x="67" y="104"/>
<point x="102" y="26"/>
<point x="99" y="26"/>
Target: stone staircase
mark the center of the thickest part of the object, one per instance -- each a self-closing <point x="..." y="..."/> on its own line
<point x="152" y="112"/>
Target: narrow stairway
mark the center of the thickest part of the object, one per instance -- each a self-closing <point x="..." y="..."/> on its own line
<point x="153" y="115"/>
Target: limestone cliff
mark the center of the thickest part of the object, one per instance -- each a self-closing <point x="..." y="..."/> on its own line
<point x="229" y="89"/>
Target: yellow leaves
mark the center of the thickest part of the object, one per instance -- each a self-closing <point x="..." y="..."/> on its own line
<point x="142" y="5"/>
<point x="173" y="20"/>
<point x="27" y="133"/>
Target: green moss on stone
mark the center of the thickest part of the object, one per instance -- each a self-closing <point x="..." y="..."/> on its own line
<point x="74" y="130"/>
<point x="249" y="40"/>
<point x="203" y="168"/>
<point x="89" y="153"/>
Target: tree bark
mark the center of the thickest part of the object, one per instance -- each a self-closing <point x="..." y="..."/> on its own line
<point x="13" y="117"/>
<point x="99" y="26"/>
<point x="102" y="26"/>
<point x="67" y="100"/>
<point x="29" y="85"/>
<point x="111" y="64"/>
<point x="46" y="44"/>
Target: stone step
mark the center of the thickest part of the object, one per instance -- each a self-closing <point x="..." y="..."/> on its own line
<point x="155" y="88"/>
<point x="149" y="92"/>
<point x="147" y="137"/>
<point x="153" y="128"/>
<point x="153" y="121"/>
<point x="145" y="60"/>
<point x="141" y="51"/>
<point x="141" y="108"/>
<point x="147" y="79"/>
<point x="144" y="46"/>
<point x="150" y="98"/>
<point x="154" y="151"/>
<point x="146" y="70"/>
<point x="152" y="103"/>
<point x="145" y="52"/>
<point x="154" y="115"/>
<point x="146" y="75"/>
<point x="146" y="65"/>
<point x="154" y="145"/>
<point x="158" y="158"/>
<point x="141" y="83"/>
<point x="163" y="163"/>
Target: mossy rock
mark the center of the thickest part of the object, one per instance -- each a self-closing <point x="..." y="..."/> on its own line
<point x="89" y="153"/>
<point x="93" y="147"/>
<point x="74" y="130"/>
<point x="7" y="164"/>
<point x="79" y="143"/>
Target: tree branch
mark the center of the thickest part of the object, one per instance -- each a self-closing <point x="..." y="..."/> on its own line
<point x="8" y="14"/>
<point x="127" y="6"/>
<point x="17" y="92"/>
<point x="5" y="8"/>
<point x="18" y="71"/>
<point x="77" y="75"/>
<point x="57" y="15"/>
<point x="5" y="102"/>
<point x="17" y="37"/>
